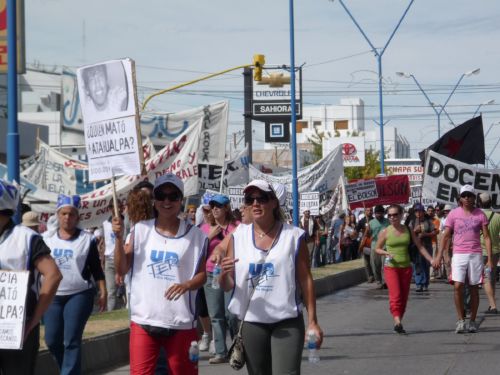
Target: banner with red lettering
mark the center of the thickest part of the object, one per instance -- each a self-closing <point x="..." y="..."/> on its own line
<point x="179" y="157"/>
<point x="390" y="190"/>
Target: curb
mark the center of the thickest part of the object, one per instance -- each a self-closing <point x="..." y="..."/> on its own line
<point x="98" y="353"/>
<point x="112" y="349"/>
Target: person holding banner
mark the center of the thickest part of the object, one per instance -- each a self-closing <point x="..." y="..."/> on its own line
<point x="167" y="259"/>
<point x="22" y="249"/>
<point x="396" y="239"/>
<point x="466" y="223"/>
<point x="267" y="269"/>
<point x="76" y="254"/>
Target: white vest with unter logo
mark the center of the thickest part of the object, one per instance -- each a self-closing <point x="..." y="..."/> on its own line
<point x="158" y="262"/>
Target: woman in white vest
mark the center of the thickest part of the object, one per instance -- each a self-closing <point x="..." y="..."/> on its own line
<point x="76" y="254"/>
<point x="21" y="249"/>
<point x="166" y="258"/>
<point x="267" y="267"/>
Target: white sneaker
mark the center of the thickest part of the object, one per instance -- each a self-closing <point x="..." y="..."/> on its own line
<point x="473" y="326"/>
<point x="460" y="326"/>
<point x="211" y="349"/>
<point x="204" y="342"/>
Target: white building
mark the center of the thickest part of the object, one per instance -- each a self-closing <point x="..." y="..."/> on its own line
<point x="346" y="119"/>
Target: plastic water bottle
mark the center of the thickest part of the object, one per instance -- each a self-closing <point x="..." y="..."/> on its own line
<point x="215" y="279"/>
<point x="387" y="260"/>
<point x="194" y="352"/>
<point x="487" y="273"/>
<point x="311" y="345"/>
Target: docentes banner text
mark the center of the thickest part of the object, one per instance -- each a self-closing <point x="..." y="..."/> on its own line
<point x="443" y="178"/>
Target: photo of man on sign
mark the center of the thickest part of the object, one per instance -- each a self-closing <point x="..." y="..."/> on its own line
<point x="105" y="91"/>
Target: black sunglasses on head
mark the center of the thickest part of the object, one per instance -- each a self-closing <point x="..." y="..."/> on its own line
<point x="261" y="199"/>
<point x="172" y="197"/>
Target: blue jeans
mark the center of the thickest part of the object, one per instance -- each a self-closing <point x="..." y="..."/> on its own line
<point x="421" y="270"/>
<point x="217" y="302"/>
<point x="64" y="321"/>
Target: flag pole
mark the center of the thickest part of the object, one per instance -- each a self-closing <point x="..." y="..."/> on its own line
<point x="115" y="199"/>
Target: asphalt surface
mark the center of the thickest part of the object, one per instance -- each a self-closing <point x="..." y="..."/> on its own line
<point x="359" y="337"/>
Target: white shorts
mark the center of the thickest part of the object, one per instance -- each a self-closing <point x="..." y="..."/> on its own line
<point x="467" y="265"/>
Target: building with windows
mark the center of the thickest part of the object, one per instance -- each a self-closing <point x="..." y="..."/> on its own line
<point x="345" y="120"/>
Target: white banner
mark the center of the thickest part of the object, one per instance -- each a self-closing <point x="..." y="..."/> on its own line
<point x="321" y="176"/>
<point x="179" y="157"/>
<point x="236" y="196"/>
<point x="13" y="292"/>
<point x="416" y="197"/>
<point x="54" y="171"/>
<point x="235" y="173"/>
<point x="361" y="191"/>
<point x="110" y="115"/>
<point x="309" y="202"/>
<point x="443" y="178"/>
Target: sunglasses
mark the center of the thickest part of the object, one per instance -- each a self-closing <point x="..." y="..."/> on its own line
<point x="392" y="215"/>
<point x="172" y="197"/>
<point x="215" y="204"/>
<point x="468" y="195"/>
<point x="261" y="199"/>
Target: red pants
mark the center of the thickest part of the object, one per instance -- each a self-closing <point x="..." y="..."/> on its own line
<point x="145" y="349"/>
<point x="398" y="282"/>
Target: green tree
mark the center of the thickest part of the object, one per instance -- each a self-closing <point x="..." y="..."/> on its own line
<point x="317" y="141"/>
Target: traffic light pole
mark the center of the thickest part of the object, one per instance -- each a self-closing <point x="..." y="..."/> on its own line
<point x="247" y="82"/>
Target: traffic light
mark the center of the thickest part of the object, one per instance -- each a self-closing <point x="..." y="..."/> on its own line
<point x="258" y="62"/>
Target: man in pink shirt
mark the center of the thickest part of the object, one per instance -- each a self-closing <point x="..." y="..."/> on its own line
<point x="465" y="223"/>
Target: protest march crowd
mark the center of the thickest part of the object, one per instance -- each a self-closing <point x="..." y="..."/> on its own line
<point x="243" y="271"/>
<point x="240" y="271"/>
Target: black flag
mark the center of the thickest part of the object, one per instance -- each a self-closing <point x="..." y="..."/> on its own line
<point x="464" y="143"/>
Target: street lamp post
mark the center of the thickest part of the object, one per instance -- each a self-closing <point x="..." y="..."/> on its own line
<point x="488" y="102"/>
<point x="438" y="113"/>
<point x="378" y="54"/>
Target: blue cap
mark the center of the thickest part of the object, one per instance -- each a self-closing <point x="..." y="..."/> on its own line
<point x="68" y="201"/>
<point x="221" y="199"/>
<point x="419" y="207"/>
<point x="206" y="198"/>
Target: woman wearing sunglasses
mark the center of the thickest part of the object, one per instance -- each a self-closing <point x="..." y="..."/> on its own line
<point x="217" y="299"/>
<point x="396" y="239"/>
<point x="267" y="269"/>
<point x="166" y="257"/>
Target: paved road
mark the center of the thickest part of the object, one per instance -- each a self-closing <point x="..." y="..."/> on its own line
<point x="359" y="337"/>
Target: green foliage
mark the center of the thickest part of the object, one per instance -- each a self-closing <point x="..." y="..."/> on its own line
<point x="371" y="168"/>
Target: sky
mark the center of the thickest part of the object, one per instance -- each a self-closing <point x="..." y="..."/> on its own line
<point x="177" y="41"/>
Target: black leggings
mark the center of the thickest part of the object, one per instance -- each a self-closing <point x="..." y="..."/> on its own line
<point x="274" y="348"/>
<point x="201" y="304"/>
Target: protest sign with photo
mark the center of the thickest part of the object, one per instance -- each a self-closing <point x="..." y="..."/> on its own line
<point x="111" y="119"/>
<point x="390" y="190"/>
<point x="444" y="176"/>
<point x="416" y="197"/>
<point x="361" y="191"/>
<point x="179" y="157"/>
<point x="13" y="292"/>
